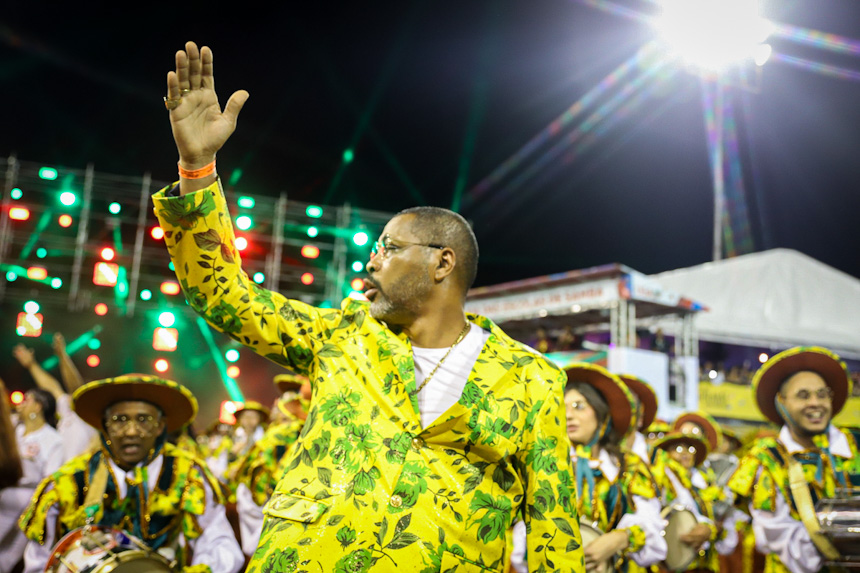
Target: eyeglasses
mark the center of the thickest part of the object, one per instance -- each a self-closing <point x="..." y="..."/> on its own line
<point x="384" y="247"/>
<point x="823" y="394"/>
<point x="145" y="423"/>
<point x="579" y="405"/>
<point x="690" y="449"/>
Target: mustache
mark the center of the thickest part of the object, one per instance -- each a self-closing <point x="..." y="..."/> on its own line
<point x="370" y="283"/>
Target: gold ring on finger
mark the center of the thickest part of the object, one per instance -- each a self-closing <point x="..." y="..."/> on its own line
<point x="183" y="92"/>
<point x="171" y="104"/>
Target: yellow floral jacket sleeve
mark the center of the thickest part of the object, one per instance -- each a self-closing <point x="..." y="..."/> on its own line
<point x="367" y="488"/>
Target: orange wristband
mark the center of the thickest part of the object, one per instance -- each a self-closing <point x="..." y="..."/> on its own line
<point x="204" y="171"/>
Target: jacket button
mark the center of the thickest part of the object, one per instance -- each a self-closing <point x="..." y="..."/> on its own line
<point x="417" y="444"/>
<point x="396" y="501"/>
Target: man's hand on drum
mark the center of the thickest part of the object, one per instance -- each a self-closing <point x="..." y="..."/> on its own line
<point x="697" y="536"/>
<point x="603" y="548"/>
<point x="199" y="126"/>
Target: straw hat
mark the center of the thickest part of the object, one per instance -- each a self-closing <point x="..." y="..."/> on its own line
<point x="706" y="422"/>
<point x="175" y="400"/>
<point x="647" y="397"/>
<point x="252" y="405"/>
<point x="609" y="385"/>
<point x="286" y="382"/>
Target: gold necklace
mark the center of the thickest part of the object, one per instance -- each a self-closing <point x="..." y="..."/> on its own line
<point x="438" y="364"/>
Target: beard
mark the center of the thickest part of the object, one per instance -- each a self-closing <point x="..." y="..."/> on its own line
<point x="400" y="302"/>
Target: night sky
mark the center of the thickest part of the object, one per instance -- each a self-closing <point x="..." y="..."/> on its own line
<point x="433" y="96"/>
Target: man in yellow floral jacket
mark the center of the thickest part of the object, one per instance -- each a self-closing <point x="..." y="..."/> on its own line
<point x="429" y="430"/>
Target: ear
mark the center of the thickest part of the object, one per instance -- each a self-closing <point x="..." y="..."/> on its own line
<point x="447" y="262"/>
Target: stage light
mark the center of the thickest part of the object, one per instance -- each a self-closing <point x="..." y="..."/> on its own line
<point x="93" y="360"/>
<point x="313" y="232"/>
<point x="29" y="324"/>
<point x="357" y="284"/>
<point x="171" y="266"/>
<point x="101" y="309"/>
<point x="307" y="279"/>
<point x="19" y="213"/>
<point x="94" y="343"/>
<point x="170" y="287"/>
<point x="56" y="283"/>
<point x="314" y="211"/>
<point x="355" y="295"/>
<point x="65" y="221"/>
<point x="246" y="202"/>
<point x="241" y="243"/>
<point x="165" y="339"/>
<point x="157" y="233"/>
<point x="712" y="374"/>
<point x="47" y="173"/>
<point x="231" y="355"/>
<point x="348" y="156"/>
<point x="357" y="266"/>
<point x="16" y="193"/>
<point x="712" y="34"/>
<point x="763" y="357"/>
<point x="162" y="365"/>
<point x="37" y="273"/>
<point x="145" y="294"/>
<point x="108" y="254"/>
<point x="310" y="252"/>
<point x="105" y="274"/>
<point x="114" y="208"/>
<point x="41" y="252"/>
<point x="68" y="198"/>
<point x="360" y="238"/>
<point x="11" y="276"/>
<point x="166" y="319"/>
<point x="31" y="307"/>
<point x="259" y="278"/>
<point x="17" y="397"/>
<point x="762" y="54"/>
<point x="244" y="222"/>
<point x="233" y="371"/>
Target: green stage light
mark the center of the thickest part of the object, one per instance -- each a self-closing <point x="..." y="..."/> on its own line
<point x="11" y="276"/>
<point x="166" y="319"/>
<point x="41" y="252"/>
<point x="48" y="173"/>
<point x="244" y="222"/>
<point x="16" y="193"/>
<point x="114" y="208"/>
<point x="56" y="283"/>
<point x="259" y="278"/>
<point x="313" y="232"/>
<point x="348" y="156"/>
<point x="145" y="294"/>
<point x="360" y="238"/>
<point x="231" y="355"/>
<point x="357" y="266"/>
<point x="247" y="202"/>
<point x="68" y="198"/>
<point x="31" y="307"/>
<point x="94" y="343"/>
<point x="314" y="212"/>
<point x="171" y="266"/>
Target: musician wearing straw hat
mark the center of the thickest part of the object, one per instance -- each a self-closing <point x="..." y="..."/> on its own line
<point x="644" y="415"/>
<point x="136" y="482"/>
<point x="615" y="494"/>
<point x="258" y="471"/>
<point x="801" y="390"/>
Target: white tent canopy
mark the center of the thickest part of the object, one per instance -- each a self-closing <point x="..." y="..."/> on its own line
<point x="778" y="299"/>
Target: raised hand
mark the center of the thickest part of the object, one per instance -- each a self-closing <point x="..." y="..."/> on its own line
<point x="59" y="343"/>
<point x="23" y="355"/>
<point x="199" y="126"/>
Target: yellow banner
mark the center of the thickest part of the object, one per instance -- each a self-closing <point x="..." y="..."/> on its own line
<point x="738" y="402"/>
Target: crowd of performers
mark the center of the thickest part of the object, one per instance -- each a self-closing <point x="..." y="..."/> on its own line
<point x="650" y="495"/>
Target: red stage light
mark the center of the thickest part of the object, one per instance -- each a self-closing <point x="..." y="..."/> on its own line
<point x="162" y="365"/>
<point x="105" y="274"/>
<point x="157" y="233"/>
<point x="93" y="360"/>
<point x="233" y="371"/>
<point x="170" y="287"/>
<point x="17" y="397"/>
<point x="29" y="324"/>
<point x="19" y="213"/>
<point x="357" y="284"/>
<point x="310" y="252"/>
<point x="241" y="243"/>
<point x="37" y="273"/>
<point x="101" y="309"/>
<point x="307" y="279"/>
<point x="228" y="409"/>
<point x="65" y="221"/>
<point x="165" y="339"/>
<point x="108" y="254"/>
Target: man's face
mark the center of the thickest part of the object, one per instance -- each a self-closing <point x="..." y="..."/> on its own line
<point x="684" y="454"/>
<point x="249" y="420"/>
<point x="399" y="277"/>
<point x="132" y="427"/>
<point x="29" y="405"/>
<point x="808" y="401"/>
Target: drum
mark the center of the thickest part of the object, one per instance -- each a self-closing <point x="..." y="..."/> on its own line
<point x="839" y="519"/>
<point x="589" y="533"/>
<point x="679" y="521"/>
<point x="94" y="549"/>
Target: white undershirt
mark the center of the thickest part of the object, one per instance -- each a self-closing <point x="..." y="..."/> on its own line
<point x="446" y="386"/>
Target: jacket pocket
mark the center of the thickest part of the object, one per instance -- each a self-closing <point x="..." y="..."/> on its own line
<point x="294" y="507"/>
<point x="452" y="563"/>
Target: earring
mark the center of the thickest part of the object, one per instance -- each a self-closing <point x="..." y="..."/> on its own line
<point x="107" y="442"/>
<point x="32" y="415"/>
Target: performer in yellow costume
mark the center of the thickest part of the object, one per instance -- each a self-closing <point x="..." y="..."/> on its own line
<point x="800" y="389"/>
<point x="136" y="482"/>
<point x="429" y="429"/>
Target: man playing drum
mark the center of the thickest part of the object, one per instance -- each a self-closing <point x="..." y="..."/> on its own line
<point x="136" y="482"/>
<point x="801" y="389"/>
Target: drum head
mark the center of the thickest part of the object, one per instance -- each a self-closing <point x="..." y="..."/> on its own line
<point x="101" y="550"/>
<point x="135" y="562"/>
<point x="589" y="533"/>
<point x="679" y="555"/>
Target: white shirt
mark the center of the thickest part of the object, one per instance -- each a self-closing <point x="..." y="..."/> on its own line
<point x="446" y="387"/>
<point x="77" y="435"/>
<point x="216" y="547"/>
<point x="778" y="532"/>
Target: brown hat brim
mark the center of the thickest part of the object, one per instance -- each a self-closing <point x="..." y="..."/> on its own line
<point x="611" y="387"/>
<point x="176" y="402"/>
<point x="774" y="372"/>
<point x="252" y="406"/>
<point x="711" y="428"/>
<point x="286" y="382"/>
<point x="647" y="397"/>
